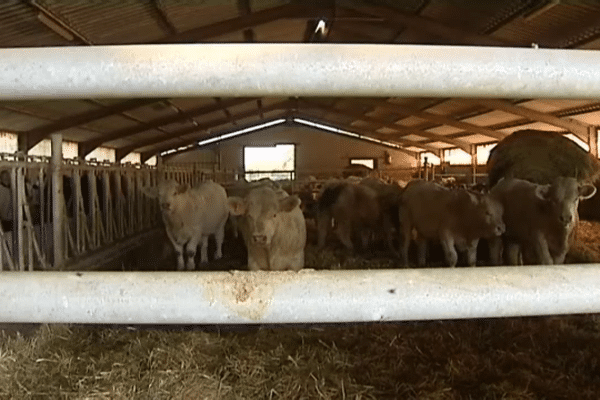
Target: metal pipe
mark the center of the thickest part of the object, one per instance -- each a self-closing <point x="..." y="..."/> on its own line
<point x="305" y="297"/>
<point x="58" y="217"/>
<point x="232" y="70"/>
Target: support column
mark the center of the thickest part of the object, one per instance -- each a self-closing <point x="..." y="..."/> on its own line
<point x="473" y="164"/>
<point x="58" y="217"/>
<point x="593" y="140"/>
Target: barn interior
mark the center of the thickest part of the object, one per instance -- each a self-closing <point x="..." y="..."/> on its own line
<point x="127" y="143"/>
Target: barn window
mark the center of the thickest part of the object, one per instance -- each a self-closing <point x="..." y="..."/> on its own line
<point x="8" y="142"/>
<point x="44" y="149"/>
<point x="457" y="157"/>
<point x="275" y="162"/>
<point x="580" y="142"/>
<point x="133" y="158"/>
<point x="431" y="158"/>
<point x="483" y="153"/>
<point x="102" y="154"/>
<point x="367" y="162"/>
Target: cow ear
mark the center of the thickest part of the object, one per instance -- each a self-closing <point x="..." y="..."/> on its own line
<point x="237" y="206"/>
<point x="288" y="203"/>
<point x="542" y="192"/>
<point x="151" y="192"/>
<point x="586" y="191"/>
<point x="182" y="188"/>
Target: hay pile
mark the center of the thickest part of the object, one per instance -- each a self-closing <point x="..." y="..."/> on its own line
<point x="539" y="156"/>
<point x="513" y="358"/>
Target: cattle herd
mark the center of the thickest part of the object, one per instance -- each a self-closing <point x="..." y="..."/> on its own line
<point x="518" y="217"/>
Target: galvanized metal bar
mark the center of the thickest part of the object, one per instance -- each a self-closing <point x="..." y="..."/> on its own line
<point x="305" y="297"/>
<point x="58" y="214"/>
<point x="232" y="70"/>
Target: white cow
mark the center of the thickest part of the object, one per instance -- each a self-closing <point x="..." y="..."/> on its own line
<point x="191" y="215"/>
<point x="273" y="228"/>
<point x="539" y="219"/>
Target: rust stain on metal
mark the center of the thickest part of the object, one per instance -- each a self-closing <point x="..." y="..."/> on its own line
<point x="247" y="294"/>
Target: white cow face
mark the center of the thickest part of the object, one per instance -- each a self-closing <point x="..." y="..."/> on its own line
<point x="489" y="215"/>
<point x="262" y="210"/>
<point x="167" y="194"/>
<point x="562" y="198"/>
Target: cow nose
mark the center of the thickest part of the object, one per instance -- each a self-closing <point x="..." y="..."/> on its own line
<point x="566" y="219"/>
<point x="500" y="229"/>
<point x="260" y="239"/>
<point x="166" y="206"/>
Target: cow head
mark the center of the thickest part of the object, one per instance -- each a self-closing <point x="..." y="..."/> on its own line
<point x="262" y="210"/>
<point x="487" y="214"/>
<point x="561" y="198"/>
<point x="166" y="193"/>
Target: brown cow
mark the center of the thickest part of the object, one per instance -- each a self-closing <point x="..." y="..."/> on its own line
<point x="456" y="217"/>
<point x="354" y="208"/>
<point x="539" y="219"/>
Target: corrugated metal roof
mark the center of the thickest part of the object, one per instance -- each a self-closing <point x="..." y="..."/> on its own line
<point x="539" y="28"/>
<point x="109" y="22"/>
<point x="188" y="15"/>
<point x="21" y="27"/>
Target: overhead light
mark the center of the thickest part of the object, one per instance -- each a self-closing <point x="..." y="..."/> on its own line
<point x="50" y="23"/>
<point x="241" y="132"/>
<point x="321" y="28"/>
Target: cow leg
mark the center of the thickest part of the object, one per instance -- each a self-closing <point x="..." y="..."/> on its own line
<point x="405" y="232"/>
<point x="190" y="253"/>
<point x="204" y="249"/>
<point x="472" y="253"/>
<point x="421" y="251"/>
<point x="513" y="253"/>
<point x="387" y="229"/>
<point x="179" y="251"/>
<point x="323" y="223"/>
<point x="560" y="258"/>
<point x="541" y="251"/>
<point x="449" y="250"/>
<point x="343" y="232"/>
<point x="495" y="245"/>
<point x="219" y="236"/>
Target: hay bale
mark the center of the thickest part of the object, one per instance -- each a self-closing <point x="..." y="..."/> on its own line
<point x="540" y="156"/>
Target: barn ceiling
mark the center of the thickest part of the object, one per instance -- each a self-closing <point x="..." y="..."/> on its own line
<point x="151" y="126"/>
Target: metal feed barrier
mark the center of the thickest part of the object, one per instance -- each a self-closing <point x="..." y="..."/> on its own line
<point x="214" y="70"/>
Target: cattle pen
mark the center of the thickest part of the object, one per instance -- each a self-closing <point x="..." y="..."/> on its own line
<point x="83" y="243"/>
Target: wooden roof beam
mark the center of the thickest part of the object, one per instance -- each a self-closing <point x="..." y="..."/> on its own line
<point x="422" y="24"/>
<point x="440" y="119"/>
<point x="124" y="151"/>
<point x="241" y="23"/>
<point x="89" y="145"/>
<point x="161" y="18"/>
<point x="36" y="135"/>
<point x="578" y="128"/>
<point x="402" y="130"/>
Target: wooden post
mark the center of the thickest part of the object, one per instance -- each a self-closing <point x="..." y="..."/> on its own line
<point x="58" y="216"/>
<point x="593" y="140"/>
